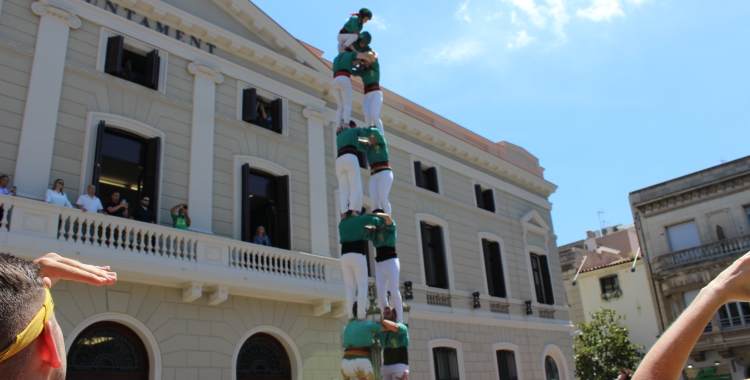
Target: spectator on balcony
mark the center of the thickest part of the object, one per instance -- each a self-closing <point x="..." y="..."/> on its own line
<point x="89" y="202"/>
<point x="180" y="217"/>
<point x="31" y="341"/>
<point x="142" y="213"/>
<point x="117" y="207"/>
<point x="56" y="195"/>
<point x="667" y="357"/>
<point x="261" y="237"/>
<point x="4" y="190"/>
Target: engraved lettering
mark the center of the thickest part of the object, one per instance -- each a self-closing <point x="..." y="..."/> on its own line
<point x="210" y="47"/>
<point x="112" y="7"/>
<point x="195" y="42"/>
<point x="130" y="14"/>
<point x="162" y="28"/>
<point x="178" y="34"/>
<point x="145" y="23"/>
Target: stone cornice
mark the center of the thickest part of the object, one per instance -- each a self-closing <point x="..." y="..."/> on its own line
<point x="698" y="194"/>
<point x="312" y="113"/>
<point x="196" y="68"/>
<point x="41" y="9"/>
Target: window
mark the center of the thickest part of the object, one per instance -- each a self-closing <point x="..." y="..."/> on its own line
<point x="132" y="63"/>
<point x="262" y="111"/>
<point x="610" y="287"/>
<point x="506" y="365"/>
<point x="446" y="363"/>
<point x="108" y="350"/>
<point x="683" y="236"/>
<point x="734" y="314"/>
<point x="493" y="266"/>
<point x="426" y="177"/>
<point x="263" y="357"/>
<point x="542" y="280"/>
<point x="485" y="198"/>
<point x="128" y="164"/>
<point x="265" y="202"/>
<point x="550" y="369"/>
<point x="747" y="213"/>
<point x="433" y="251"/>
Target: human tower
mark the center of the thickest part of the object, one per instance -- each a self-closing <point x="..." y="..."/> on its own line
<point x="355" y="57"/>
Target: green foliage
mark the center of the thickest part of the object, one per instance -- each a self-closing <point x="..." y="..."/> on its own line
<point x="603" y="347"/>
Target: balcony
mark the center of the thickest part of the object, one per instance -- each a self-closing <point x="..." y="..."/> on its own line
<point x="160" y="255"/>
<point x="696" y="255"/>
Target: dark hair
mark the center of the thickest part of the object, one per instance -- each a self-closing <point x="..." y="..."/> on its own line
<point x="3" y="176"/>
<point x="395" y="313"/>
<point x="55" y="183"/>
<point x="21" y="296"/>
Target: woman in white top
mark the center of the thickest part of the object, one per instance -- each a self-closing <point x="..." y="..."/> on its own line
<point x="56" y="196"/>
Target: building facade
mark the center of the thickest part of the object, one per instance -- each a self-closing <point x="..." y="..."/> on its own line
<point x="607" y="277"/>
<point x="212" y="104"/>
<point x="691" y="228"/>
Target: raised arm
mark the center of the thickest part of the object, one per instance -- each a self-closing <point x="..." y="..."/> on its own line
<point x="386" y="217"/>
<point x="174" y="209"/>
<point x="389" y="326"/>
<point x="667" y="358"/>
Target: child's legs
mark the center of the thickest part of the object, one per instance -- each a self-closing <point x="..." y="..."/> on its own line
<point x="343" y="179"/>
<point x="374" y="196"/>
<point x="346" y="40"/>
<point x="384" y="183"/>
<point x="355" y="181"/>
<point x="373" y="109"/>
<point x="337" y="88"/>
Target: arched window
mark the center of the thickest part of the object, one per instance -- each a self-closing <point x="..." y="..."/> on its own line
<point x="107" y="350"/>
<point x="550" y="369"/>
<point x="262" y="357"/>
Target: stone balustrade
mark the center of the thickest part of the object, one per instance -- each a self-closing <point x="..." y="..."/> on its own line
<point x="706" y="252"/>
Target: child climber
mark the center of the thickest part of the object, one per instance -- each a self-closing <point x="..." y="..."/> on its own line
<point x="350" y="32"/>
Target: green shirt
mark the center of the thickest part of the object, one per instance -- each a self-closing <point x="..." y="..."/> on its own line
<point x="390" y="339"/>
<point x="353" y="228"/>
<point x="359" y="334"/>
<point x="179" y="222"/>
<point x="369" y="75"/>
<point x="343" y="61"/>
<point x="350" y="137"/>
<point x="378" y="152"/>
<point x="352" y="26"/>
<point x="385" y="236"/>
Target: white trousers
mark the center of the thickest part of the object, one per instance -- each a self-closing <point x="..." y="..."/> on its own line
<point x="371" y="106"/>
<point x="394" y="371"/>
<point x="386" y="278"/>
<point x="350" y="183"/>
<point x="354" y="266"/>
<point x="380" y="187"/>
<point x="341" y="87"/>
<point x="346" y="40"/>
<point x="357" y="368"/>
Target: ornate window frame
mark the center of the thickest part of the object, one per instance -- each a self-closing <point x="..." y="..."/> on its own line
<point x="295" y="358"/>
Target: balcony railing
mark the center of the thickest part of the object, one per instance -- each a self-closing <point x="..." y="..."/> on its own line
<point x="702" y="253"/>
<point x="40" y="227"/>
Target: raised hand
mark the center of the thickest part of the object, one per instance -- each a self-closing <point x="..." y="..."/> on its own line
<point x="56" y="268"/>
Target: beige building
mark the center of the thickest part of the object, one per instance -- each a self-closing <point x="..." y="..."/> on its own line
<point x="691" y="228"/>
<point x="213" y="104"/>
<point x="608" y="278"/>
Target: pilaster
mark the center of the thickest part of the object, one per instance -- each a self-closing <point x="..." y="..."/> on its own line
<point x="318" y="190"/>
<point x="200" y="191"/>
<point x="34" y="160"/>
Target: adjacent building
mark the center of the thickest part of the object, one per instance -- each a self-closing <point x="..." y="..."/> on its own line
<point x="606" y="270"/>
<point x="213" y="104"/>
<point x="691" y="228"/>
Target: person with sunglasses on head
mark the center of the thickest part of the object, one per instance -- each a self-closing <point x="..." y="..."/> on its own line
<point x="350" y="32"/>
<point x="142" y="213"/>
<point x="56" y="195"/>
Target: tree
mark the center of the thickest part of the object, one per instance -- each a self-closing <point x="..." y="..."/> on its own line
<point x="603" y="346"/>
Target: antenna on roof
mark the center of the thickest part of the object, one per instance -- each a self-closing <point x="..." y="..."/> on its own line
<point x="599" y="214"/>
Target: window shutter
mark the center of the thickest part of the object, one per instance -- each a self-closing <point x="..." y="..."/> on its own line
<point x="152" y="70"/>
<point x="418" y="175"/>
<point x="546" y="280"/>
<point x="479" y="196"/>
<point x="488" y="265"/>
<point x="489" y="200"/>
<point x="428" y="269"/>
<point x="497" y="270"/>
<point x="151" y="173"/>
<point x="98" y="155"/>
<point x="247" y="229"/>
<point x="440" y="259"/>
<point x="249" y="100"/>
<point x="113" y="61"/>
<point x="282" y="213"/>
<point x="433" y="179"/>
<point x="276" y="115"/>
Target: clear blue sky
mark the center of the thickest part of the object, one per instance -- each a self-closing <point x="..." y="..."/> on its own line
<point x="611" y="95"/>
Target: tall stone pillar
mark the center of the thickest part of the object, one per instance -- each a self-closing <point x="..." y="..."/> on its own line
<point x="200" y="191"/>
<point x="34" y="160"/>
<point x="318" y="190"/>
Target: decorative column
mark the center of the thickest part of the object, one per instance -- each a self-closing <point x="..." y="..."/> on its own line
<point x="200" y="187"/>
<point x="34" y="160"/>
<point x="316" y="159"/>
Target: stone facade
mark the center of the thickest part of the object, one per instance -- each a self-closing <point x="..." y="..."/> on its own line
<point x="194" y="297"/>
